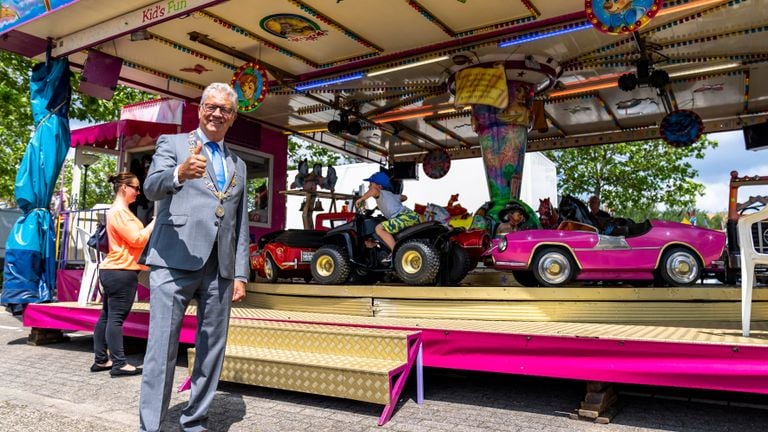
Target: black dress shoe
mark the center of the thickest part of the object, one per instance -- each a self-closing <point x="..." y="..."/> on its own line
<point x="99" y="368"/>
<point x="124" y="372"/>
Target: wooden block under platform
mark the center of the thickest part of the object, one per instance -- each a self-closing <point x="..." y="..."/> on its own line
<point x="594" y="416"/>
<point x="599" y="404"/>
<point x="41" y="336"/>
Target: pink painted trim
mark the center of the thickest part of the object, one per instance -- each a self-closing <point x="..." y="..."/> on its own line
<point x="105" y="134"/>
<point x="671" y="363"/>
<point x="74" y="318"/>
<point x="674" y="364"/>
<point x="401" y="376"/>
<point x="725" y="367"/>
<point x="185" y="385"/>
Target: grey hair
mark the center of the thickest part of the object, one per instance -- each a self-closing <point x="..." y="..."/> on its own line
<point x="219" y="87"/>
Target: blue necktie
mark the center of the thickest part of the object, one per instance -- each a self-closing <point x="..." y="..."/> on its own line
<point x="218" y="163"/>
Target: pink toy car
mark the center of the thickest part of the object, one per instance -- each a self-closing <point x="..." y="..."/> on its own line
<point x="656" y="251"/>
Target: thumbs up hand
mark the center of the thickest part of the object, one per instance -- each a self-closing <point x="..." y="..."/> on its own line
<point x="194" y="166"/>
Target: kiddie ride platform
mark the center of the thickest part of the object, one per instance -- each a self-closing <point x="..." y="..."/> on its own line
<point x="679" y="337"/>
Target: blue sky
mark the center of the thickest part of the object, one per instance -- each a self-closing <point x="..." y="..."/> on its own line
<point x="715" y="170"/>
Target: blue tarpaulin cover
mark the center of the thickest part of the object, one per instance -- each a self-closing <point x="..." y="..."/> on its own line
<point x="29" y="275"/>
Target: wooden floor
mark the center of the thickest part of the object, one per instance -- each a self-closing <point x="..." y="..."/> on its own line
<point x="709" y="314"/>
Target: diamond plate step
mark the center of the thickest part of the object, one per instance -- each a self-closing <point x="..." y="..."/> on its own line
<point x="322" y="339"/>
<point x="346" y="377"/>
<point x="365" y="364"/>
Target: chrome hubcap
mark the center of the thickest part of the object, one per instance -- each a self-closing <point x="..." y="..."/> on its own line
<point x="682" y="267"/>
<point x="554" y="268"/>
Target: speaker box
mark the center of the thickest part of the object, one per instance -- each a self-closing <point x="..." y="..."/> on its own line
<point x="756" y="136"/>
<point x="100" y="75"/>
<point x="404" y="171"/>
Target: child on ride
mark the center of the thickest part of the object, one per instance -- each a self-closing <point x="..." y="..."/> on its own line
<point x="391" y="206"/>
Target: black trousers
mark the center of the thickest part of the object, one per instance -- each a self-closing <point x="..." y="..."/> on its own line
<point x="119" y="288"/>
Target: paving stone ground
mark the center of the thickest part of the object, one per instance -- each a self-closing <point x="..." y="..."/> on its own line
<point x="50" y="388"/>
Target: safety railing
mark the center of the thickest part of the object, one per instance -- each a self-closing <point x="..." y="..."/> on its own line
<point x="69" y="251"/>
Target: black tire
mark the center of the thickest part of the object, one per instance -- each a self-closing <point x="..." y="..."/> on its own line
<point x="330" y="265"/>
<point x="361" y="276"/>
<point x="270" y="269"/>
<point x="680" y="266"/>
<point x="553" y="266"/>
<point x="457" y="265"/>
<point x="417" y="262"/>
<point x="525" y="278"/>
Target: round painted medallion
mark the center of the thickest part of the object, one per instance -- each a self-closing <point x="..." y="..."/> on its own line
<point x="621" y="16"/>
<point x="436" y="163"/>
<point x="681" y="128"/>
<point x="292" y="27"/>
<point x="250" y="82"/>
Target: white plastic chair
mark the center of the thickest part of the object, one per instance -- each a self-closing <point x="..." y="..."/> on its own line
<point x="89" y="285"/>
<point x="749" y="257"/>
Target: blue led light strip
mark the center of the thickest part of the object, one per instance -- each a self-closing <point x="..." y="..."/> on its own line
<point x="313" y="84"/>
<point x="536" y="36"/>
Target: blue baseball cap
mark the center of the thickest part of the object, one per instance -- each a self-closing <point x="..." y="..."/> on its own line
<point x="381" y="179"/>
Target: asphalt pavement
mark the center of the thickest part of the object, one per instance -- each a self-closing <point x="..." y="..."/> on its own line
<point x="50" y="388"/>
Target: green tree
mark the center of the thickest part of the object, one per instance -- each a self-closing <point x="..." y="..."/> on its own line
<point x="98" y="190"/>
<point x="313" y="153"/>
<point x="634" y="177"/>
<point x="16" y="123"/>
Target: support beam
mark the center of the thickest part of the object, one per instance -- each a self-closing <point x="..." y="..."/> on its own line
<point x="205" y="40"/>
<point x="641" y="134"/>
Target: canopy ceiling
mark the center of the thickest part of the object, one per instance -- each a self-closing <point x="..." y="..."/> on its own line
<point x="714" y="51"/>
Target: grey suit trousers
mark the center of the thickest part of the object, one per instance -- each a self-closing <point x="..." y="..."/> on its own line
<point x="170" y="293"/>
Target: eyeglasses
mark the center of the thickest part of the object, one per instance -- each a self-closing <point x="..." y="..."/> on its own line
<point x="136" y="188"/>
<point x="211" y="108"/>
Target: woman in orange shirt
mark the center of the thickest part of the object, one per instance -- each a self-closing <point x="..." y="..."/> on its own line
<point x="118" y="274"/>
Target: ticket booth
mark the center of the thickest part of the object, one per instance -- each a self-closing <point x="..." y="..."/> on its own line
<point x="133" y="139"/>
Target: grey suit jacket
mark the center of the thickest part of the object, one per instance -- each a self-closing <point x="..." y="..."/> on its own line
<point x="186" y="226"/>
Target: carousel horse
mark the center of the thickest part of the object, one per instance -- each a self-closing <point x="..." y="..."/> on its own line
<point x="572" y="208"/>
<point x="548" y="215"/>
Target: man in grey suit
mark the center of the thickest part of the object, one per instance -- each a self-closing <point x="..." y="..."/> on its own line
<point x="199" y="250"/>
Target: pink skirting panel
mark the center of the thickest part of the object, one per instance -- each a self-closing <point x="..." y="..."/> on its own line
<point x="672" y="363"/>
<point x="84" y="319"/>
<point x="68" y="286"/>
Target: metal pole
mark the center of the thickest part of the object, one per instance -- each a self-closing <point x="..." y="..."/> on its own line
<point x="85" y="186"/>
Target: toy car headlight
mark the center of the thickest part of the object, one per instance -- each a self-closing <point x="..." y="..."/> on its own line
<point x="502" y="244"/>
